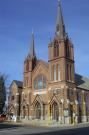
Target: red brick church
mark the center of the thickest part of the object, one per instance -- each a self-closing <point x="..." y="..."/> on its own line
<point x="51" y="91"/>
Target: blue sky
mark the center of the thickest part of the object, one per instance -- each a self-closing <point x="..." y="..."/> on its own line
<point x="19" y="17"/>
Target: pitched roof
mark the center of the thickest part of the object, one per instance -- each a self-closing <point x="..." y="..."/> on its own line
<point x="18" y="83"/>
<point x="46" y="63"/>
<point x="82" y="82"/>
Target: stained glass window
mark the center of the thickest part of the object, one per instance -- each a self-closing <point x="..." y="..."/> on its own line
<point x="40" y="82"/>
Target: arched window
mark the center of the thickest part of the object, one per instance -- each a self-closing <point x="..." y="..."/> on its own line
<point x="26" y="81"/>
<point x="67" y="73"/>
<point x="27" y="65"/>
<point x="68" y="48"/>
<point x="40" y="82"/>
<point x="54" y="72"/>
<point x="58" y="73"/>
<point x="70" y="73"/>
<point x="68" y="51"/>
<point x="56" y="49"/>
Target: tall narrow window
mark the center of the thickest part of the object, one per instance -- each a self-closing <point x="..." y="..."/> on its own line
<point x="50" y="73"/>
<point x="27" y="66"/>
<point x="67" y="72"/>
<point x="56" y="49"/>
<point x="26" y="82"/>
<point x="67" y="51"/>
<point x="86" y="101"/>
<point x="58" y="73"/>
<point x="54" y="72"/>
<point x="70" y="73"/>
<point x="79" y="98"/>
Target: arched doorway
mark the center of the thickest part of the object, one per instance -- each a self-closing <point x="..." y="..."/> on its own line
<point x="80" y="114"/>
<point x="24" y="111"/>
<point x="71" y="113"/>
<point x="38" y="110"/>
<point x="55" y="111"/>
<point x="12" y="112"/>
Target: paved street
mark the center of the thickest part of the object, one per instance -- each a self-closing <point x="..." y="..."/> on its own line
<point x="6" y="129"/>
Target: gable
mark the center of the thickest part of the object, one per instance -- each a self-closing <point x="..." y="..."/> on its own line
<point x="37" y="99"/>
<point x="41" y="68"/>
<point x="13" y="88"/>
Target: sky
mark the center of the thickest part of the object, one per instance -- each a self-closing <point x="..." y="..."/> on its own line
<point x="19" y="17"/>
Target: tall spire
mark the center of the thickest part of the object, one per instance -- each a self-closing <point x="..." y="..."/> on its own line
<point x="60" y="29"/>
<point x="32" y="48"/>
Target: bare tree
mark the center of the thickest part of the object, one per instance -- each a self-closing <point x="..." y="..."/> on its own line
<point x="2" y="92"/>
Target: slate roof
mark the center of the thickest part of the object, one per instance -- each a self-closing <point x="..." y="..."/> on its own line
<point x="19" y="83"/>
<point x="82" y="82"/>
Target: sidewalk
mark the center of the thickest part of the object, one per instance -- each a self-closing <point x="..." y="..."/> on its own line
<point x="53" y="126"/>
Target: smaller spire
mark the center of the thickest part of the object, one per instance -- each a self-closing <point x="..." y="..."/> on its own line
<point x="32" y="48"/>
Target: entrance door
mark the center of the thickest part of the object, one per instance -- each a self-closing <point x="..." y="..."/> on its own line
<point x="38" y="110"/>
<point x="55" y="111"/>
<point x="71" y="113"/>
<point x="24" y="112"/>
<point x="80" y="114"/>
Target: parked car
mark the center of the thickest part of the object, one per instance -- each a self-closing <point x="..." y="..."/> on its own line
<point x="2" y="117"/>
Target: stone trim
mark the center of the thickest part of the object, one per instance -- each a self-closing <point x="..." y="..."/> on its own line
<point x="17" y="94"/>
<point x="39" y="92"/>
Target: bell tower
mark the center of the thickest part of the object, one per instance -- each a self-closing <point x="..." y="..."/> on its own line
<point x="61" y="53"/>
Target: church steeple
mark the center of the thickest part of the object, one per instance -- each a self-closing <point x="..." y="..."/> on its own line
<point x="29" y="64"/>
<point x="32" y="48"/>
<point x="60" y="28"/>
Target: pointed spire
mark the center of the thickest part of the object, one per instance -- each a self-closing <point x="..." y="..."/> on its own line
<point x="32" y="48"/>
<point x="60" y="29"/>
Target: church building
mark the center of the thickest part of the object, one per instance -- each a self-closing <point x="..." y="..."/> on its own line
<point x="52" y="91"/>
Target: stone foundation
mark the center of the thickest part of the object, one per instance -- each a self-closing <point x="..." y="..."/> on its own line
<point x="67" y="120"/>
<point x="84" y="119"/>
<point x="50" y="121"/>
